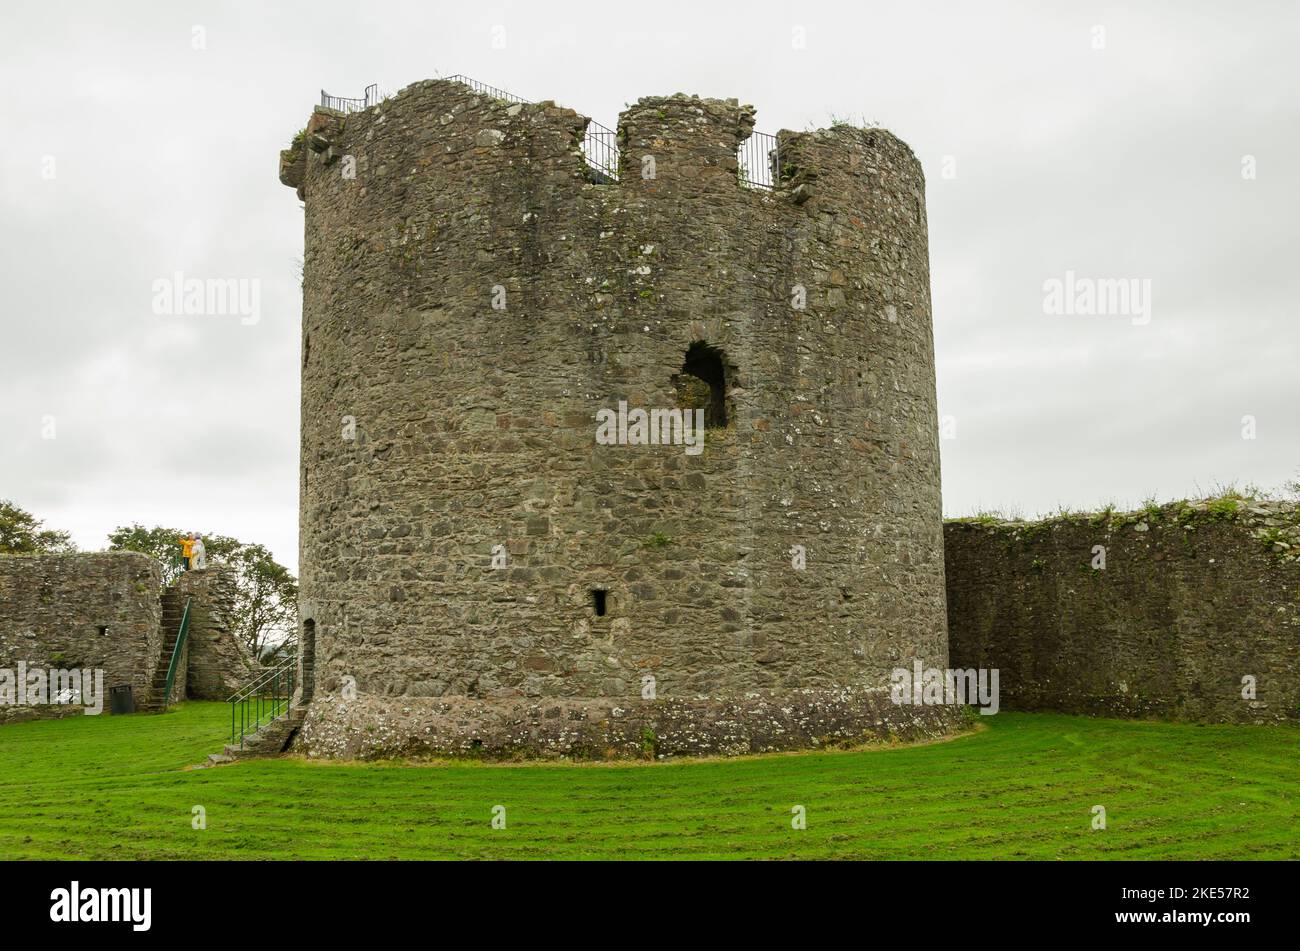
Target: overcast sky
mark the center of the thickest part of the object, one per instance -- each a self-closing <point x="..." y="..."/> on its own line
<point x="141" y="140"/>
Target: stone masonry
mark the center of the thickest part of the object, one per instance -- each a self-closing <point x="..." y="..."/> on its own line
<point x="217" y="663"/>
<point x="83" y="612"/>
<point x="473" y="297"/>
<point x="1192" y="598"/>
<point x="108" y="611"/>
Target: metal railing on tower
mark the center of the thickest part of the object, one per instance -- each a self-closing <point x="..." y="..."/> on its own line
<point x="758" y="158"/>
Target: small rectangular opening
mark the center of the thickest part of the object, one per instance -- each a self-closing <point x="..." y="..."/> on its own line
<point x="598" y="600"/>
<point x="103" y="630"/>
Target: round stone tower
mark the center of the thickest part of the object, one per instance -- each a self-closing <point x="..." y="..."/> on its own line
<point x="514" y="539"/>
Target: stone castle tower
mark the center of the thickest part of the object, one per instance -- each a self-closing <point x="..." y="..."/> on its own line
<point x="478" y="570"/>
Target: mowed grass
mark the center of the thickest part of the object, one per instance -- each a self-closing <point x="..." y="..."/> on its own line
<point x="1022" y="787"/>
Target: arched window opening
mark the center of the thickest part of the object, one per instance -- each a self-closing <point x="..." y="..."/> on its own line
<point x="702" y="384"/>
<point x="307" y="655"/>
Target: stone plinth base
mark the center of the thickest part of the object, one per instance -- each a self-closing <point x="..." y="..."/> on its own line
<point x="374" y="727"/>
<point x="52" y="711"/>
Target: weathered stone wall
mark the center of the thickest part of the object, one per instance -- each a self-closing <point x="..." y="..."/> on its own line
<point x="1192" y="598"/>
<point x="373" y="727"/>
<point x="108" y="611"/>
<point x="81" y="611"/>
<point x="217" y="663"/>
<point x="475" y="426"/>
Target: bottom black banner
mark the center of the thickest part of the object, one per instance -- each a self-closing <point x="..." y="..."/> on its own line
<point x="337" y="899"/>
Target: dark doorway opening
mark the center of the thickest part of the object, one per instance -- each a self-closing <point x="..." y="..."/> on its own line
<point x="307" y="655"/>
<point x="702" y="384"/>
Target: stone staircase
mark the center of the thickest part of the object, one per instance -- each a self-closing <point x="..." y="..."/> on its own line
<point x="173" y="607"/>
<point x="271" y="739"/>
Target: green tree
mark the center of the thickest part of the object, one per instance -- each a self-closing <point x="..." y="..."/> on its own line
<point x="268" y="593"/>
<point x="21" y="534"/>
<point x="164" y="544"/>
<point x="266" y="602"/>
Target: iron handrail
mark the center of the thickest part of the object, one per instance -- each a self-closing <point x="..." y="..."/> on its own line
<point x="760" y="160"/>
<point x="600" y="149"/>
<point x="176" y="653"/>
<point x="262" y="679"/>
<point x="484" y="88"/>
<point x="341" y="103"/>
<point x="263" y="701"/>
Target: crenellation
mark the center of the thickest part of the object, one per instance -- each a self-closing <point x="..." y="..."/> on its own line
<point x="693" y="139"/>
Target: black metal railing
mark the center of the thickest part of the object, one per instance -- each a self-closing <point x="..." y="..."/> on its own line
<point x="760" y="162"/>
<point x="341" y="103"/>
<point x="345" y="105"/>
<point x="266" y="699"/>
<point x="600" y="149"/>
<point x="757" y="156"/>
<point x="487" y="90"/>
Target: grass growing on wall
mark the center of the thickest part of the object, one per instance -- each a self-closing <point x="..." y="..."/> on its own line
<point x="115" y="787"/>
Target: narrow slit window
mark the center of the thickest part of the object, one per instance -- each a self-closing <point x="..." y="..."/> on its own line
<point x="598" y="601"/>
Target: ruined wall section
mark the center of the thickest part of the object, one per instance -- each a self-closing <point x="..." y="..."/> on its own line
<point x="84" y="611"/>
<point x="1192" y="598"/>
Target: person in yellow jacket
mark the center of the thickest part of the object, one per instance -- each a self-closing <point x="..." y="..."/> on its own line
<point x="187" y="551"/>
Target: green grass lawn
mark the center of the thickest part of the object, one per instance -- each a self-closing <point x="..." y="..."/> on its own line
<point x="1024" y="787"/>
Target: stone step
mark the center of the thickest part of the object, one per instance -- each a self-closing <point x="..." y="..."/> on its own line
<point x="269" y="740"/>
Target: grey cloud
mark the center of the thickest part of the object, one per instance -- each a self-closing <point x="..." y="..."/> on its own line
<point x="1119" y="163"/>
